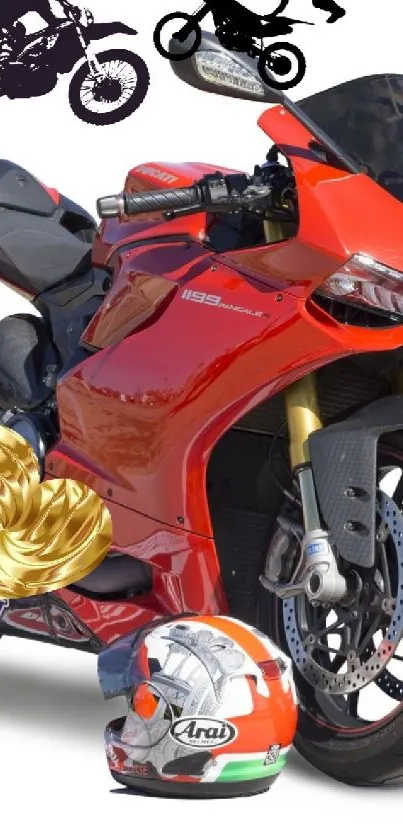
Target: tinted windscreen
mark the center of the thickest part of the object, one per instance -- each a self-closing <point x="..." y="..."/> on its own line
<point x="365" y="117"/>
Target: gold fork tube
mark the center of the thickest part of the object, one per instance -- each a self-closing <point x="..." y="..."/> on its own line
<point x="303" y="417"/>
<point x="277" y="231"/>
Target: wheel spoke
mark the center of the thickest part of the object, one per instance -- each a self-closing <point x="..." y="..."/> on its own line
<point x="334" y="710"/>
<point x="316" y="645"/>
<point x="352" y="703"/>
<point x="385" y="572"/>
<point x="355" y="640"/>
<point x="398" y="493"/>
<point x="367" y="637"/>
<point x="337" y="663"/>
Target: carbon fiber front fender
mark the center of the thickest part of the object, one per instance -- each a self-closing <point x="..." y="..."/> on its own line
<point x="343" y="458"/>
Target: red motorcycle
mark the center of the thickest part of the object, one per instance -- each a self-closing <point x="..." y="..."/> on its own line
<point x="223" y="365"/>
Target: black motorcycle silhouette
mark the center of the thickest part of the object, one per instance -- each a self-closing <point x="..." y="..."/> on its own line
<point x="107" y="88"/>
<point x="240" y="30"/>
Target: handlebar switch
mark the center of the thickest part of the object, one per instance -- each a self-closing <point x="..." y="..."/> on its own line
<point x="215" y="188"/>
<point x="218" y="188"/>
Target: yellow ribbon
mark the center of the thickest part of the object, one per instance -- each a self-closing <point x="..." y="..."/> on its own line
<point x="52" y="534"/>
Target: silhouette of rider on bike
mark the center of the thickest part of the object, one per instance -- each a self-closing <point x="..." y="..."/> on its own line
<point x="12" y="30"/>
<point x="262" y="26"/>
<point x="281" y="65"/>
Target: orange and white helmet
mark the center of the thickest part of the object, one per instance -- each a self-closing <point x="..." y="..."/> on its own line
<point x="212" y="708"/>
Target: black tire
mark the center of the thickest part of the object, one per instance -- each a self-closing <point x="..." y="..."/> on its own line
<point x="125" y="110"/>
<point x="158" y="31"/>
<point x="378" y="760"/>
<point x="266" y="58"/>
<point x="281" y="7"/>
<point x="372" y="758"/>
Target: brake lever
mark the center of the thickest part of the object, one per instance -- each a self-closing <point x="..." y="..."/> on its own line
<point x="171" y="215"/>
<point x="236" y="202"/>
<point x="218" y="207"/>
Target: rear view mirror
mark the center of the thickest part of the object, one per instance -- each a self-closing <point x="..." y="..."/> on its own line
<point x="214" y="69"/>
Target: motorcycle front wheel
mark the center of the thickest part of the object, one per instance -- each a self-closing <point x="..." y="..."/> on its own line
<point x="114" y="96"/>
<point x="187" y="29"/>
<point x="350" y="723"/>
<point x="282" y="65"/>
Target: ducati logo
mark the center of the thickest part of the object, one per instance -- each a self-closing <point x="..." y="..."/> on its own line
<point x="273" y="754"/>
<point x="159" y="174"/>
<point x="203" y="732"/>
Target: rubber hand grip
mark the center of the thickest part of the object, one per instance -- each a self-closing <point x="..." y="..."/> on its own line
<point x="156" y="201"/>
<point x="161" y="200"/>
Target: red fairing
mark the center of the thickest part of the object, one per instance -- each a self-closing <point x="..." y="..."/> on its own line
<point x="115" y="233"/>
<point x="54" y="194"/>
<point x="184" y="344"/>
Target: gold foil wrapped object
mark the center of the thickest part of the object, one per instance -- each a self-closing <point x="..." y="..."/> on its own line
<point x="52" y="534"/>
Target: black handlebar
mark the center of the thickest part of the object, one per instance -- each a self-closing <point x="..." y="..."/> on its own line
<point x="136" y="203"/>
<point x="213" y="193"/>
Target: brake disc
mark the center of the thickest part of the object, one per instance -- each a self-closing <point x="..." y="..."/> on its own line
<point x="360" y="672"/>
<point x="391" y="685"/>
<point x="387" y="682"/>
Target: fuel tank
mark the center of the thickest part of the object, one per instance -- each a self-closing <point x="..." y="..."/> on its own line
<point x="114" y="233"/>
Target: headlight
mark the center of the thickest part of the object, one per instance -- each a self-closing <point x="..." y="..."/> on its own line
<point x="364" y="283"/>
<point x="220" y="69"/>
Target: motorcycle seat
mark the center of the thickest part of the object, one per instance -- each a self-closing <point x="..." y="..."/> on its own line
<point x="19" y="190"/>
<point x="37" y="252"/>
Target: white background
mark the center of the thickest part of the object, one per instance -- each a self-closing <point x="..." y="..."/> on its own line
<point x="53" y="774"/>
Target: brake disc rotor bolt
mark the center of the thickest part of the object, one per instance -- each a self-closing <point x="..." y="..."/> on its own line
<point x="310" y="639"/>
<point x="386" y="605"/>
